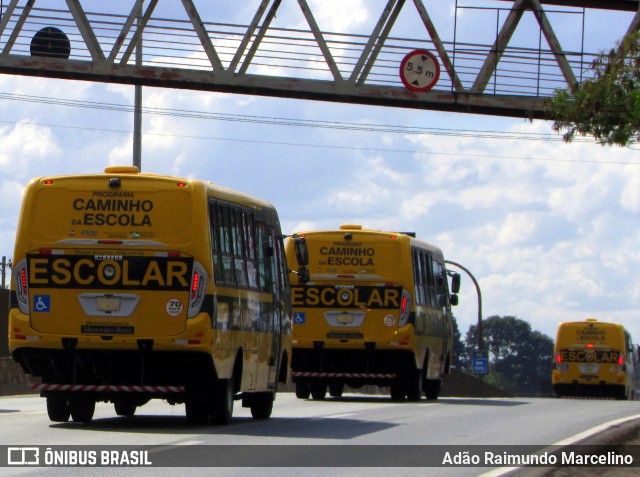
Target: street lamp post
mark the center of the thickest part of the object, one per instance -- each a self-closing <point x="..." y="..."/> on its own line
<point x="475" y="282"/>
<point x="4" y="266"/>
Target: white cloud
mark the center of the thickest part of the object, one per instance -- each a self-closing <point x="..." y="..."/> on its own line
<point x="630" y="192"/>
<point x="338" y="15"/>
<point x="24" y="145"/>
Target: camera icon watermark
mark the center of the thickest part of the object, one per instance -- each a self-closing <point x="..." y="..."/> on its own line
<point x="23" y="456"/>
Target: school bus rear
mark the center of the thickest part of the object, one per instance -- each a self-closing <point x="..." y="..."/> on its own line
<point x="592" y="359"/>
<point x="109" y="269"/>
<point x="351" y="318"/>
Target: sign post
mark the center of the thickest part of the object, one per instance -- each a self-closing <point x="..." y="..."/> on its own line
<point x="419" y="71"/>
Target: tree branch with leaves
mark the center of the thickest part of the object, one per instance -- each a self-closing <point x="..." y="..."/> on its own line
<point x="606" y="106"/>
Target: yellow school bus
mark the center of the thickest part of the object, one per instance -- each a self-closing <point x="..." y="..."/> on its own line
<point x="130" y="286"/>
<point x="595" y="358"/>
<point x="373" y="308"/>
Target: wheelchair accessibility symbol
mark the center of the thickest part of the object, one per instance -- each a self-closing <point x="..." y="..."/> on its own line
<point x="42" y="303"/>
<point x="299" y="318"/>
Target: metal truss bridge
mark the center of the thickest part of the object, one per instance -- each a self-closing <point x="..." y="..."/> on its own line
<point x="187" y="44"/>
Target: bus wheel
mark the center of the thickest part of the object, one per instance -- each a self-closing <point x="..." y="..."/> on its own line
<point x="57" y="407"/>
<point x="197" y="412"/>
<point x="414" y="386"/>
<point x="318" y="391"/>
<point x="123" y="408"/>
<point x="223" y="395"/>
<point x="303" y="390"/>
<point x="432" y="389"/>
<point x="82" y="408"/>
<point x="397" y="392"/>
<point x="262" y="405"/>
<point x="336" y="389"/>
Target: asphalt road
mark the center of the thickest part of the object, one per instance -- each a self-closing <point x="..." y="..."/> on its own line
<point x="390" y="437"/>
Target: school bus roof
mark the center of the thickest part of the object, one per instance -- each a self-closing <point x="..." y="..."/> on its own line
<point x="355" y="229"/>
<point x="125" y="172"/>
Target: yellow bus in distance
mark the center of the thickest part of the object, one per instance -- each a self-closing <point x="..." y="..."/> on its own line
<point x="373" y="308"/>
<point x="130" y="286"/>
<point x="595" y="358"/>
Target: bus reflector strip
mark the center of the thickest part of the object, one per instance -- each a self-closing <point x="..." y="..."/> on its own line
<point x="51" y="251"/>
<point x="309" y="374"/>
<point x="107" y="388"/>
<point x="187" y="342"/>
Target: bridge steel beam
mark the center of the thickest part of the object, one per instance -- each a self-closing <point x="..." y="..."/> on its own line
<point x="262" y="58"/>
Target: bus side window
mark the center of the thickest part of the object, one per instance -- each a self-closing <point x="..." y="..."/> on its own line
<point x="420" y="277"/>
<point x="283" y="276"/>
<point x="429" y="264"/>
<point x="416" y="276"/>
<point x="440" y="277"/>
<point x="224" y="227"/>
<point x="271" y="248"/>
<point x="252" y="269"/>
<point x="238" y="240"/>
<point x="218" y="270"/>
<point x="264" y="268"/>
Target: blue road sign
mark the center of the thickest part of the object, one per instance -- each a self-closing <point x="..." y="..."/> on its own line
<point x="480" y="362"/>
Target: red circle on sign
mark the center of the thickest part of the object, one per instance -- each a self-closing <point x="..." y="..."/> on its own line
<point x="419" y="71"/>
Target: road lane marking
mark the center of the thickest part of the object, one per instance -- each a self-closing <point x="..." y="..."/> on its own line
<point x="567" y="442"/>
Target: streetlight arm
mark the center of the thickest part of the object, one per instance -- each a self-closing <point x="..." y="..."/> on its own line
<point x="475" y="282"/>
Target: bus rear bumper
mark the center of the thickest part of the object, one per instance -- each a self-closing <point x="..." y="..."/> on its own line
<point x="601" y="389"/>
<point x="196" y="337"/>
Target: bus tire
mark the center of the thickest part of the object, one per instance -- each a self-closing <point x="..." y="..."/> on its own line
<point x="82" y="408"/>
<point x="57" y="407"/>
<point x="336" y="389"/>
<point x="196" y="411"/>
<point x="124" y="408"/>
<point x="223" y="396"/>
<point x="432" y="389"/>
<point x="262" y="405"/>
<point x="397" y="392"/>
<point x="414" y="386"/>
<point x="318" y="391"/>
<point x="303" y="390"/>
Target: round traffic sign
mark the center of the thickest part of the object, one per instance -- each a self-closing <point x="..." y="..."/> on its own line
<point x="50" y="42"/>
<point x="420" y="70"/>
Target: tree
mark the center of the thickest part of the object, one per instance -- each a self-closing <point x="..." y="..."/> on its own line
<point x="520" y="359"/>
<point x="606" y="106"/>
<point x="458" y="346"/>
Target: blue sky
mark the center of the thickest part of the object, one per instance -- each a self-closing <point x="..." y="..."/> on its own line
<point x="549" y="229"/>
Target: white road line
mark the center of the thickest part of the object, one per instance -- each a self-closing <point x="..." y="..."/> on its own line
<point x="568" y="441"/>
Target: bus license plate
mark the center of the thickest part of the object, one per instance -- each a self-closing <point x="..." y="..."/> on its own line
<point x="108" y="303"/>
<point x="345" y="319"/>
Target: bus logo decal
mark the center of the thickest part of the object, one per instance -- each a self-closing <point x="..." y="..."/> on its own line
<point x="107" y="272"/>
<point x="370" y="297"/>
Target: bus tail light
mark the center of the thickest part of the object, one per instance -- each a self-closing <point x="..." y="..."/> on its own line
<point x="405" y="309"/>
<point x="621" y="366"/>
<point x="22" y="286"/>
<point x="197" y="289"/>
<point x="558" y="360"/>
